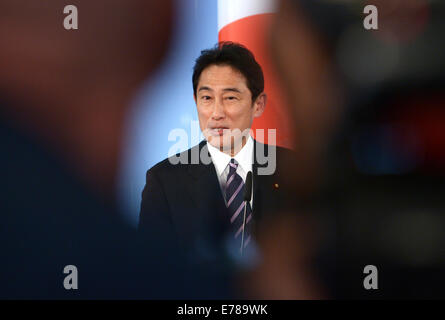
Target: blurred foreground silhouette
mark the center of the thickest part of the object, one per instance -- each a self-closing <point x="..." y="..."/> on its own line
<point x="63" y="97"/>
<point x="368" y="175"/>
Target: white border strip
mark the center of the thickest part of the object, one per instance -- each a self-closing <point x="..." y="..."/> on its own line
<point x="233" y="10"/>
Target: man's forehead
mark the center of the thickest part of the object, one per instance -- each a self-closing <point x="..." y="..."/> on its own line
<point x="221" y="75"/>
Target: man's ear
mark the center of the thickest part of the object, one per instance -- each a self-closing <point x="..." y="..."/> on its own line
<point x="194" y="98"/>
<point x="259" y="105"/>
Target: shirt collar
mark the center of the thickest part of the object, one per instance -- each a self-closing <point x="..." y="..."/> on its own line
<point x="221" y="160"/>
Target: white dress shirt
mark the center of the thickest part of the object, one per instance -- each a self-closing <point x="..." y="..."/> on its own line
<point x="221" y="162"/>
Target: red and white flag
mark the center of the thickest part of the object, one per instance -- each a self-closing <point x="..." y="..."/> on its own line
<point x="247" y="22"/>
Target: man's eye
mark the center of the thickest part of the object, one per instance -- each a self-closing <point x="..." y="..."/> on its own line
<point x="231" y="98"/>
<point x="205" y="98"/>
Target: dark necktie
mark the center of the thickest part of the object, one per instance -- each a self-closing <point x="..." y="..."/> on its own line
<point x="234" y="200"/>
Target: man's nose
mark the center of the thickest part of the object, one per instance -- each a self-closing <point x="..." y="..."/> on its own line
<point x="218" y="110"/>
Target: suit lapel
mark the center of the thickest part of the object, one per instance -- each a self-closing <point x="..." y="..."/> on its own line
<point x="256" y="183"/>
<point x="262" y="184"/>
<point x="206" y="193"/>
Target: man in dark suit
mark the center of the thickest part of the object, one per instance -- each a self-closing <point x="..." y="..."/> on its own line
<point x="197" y="197"/>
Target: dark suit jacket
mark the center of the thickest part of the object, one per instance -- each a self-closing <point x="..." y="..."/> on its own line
<point x="185" y="202"/>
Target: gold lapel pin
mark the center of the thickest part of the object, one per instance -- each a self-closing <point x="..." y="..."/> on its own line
<point x="276" y="185"/>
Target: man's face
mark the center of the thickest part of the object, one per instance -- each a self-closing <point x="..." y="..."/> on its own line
<point x="225" y="107"/>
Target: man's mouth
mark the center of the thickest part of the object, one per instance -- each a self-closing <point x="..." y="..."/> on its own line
<point x="218" y="131"/>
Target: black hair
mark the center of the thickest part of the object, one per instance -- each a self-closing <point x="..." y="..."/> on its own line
<point x="238" y="57"/>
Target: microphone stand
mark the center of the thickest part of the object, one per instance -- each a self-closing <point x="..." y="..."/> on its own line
<point x="244" y="227"/>
<point x="247" y="197"/>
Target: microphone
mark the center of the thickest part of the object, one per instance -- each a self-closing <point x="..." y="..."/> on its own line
<point x="247" y="197"/>
<point x="248" y="187"/>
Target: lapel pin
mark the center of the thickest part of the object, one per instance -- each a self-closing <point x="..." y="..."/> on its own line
<point x="276" y="186"/>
